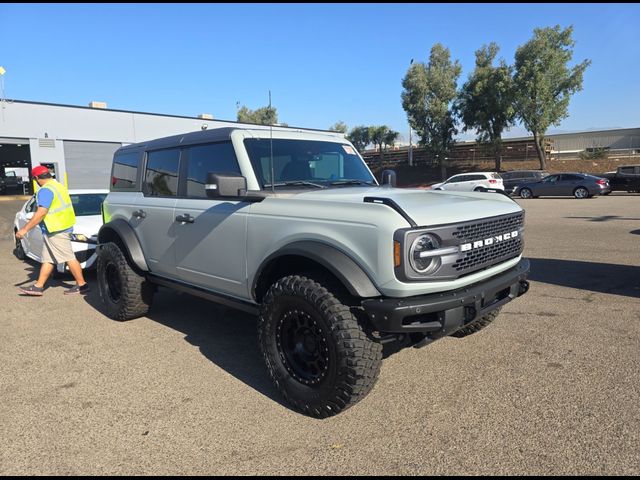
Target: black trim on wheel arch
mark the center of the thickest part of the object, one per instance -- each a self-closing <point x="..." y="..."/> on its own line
<point x="125" y="232"/>
<point x="347" y="271"/>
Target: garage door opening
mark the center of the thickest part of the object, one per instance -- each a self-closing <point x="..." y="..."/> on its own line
<point x="15" y="168"/>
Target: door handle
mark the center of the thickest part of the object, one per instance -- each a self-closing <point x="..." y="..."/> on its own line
<point x="185" y="218"/>
<point x="139" y="214"/>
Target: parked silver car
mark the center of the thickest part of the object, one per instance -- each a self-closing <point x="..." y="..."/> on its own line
<point x="579" y="185"/>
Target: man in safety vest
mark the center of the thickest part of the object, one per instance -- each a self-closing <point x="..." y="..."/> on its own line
<point x="56" y="218"/>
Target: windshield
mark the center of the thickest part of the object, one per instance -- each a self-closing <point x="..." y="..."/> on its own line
<point x="85" y="204"/>
<point x="307" y="163"/>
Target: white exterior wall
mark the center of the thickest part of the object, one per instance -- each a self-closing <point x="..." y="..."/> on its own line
<point x="34" y="121"/>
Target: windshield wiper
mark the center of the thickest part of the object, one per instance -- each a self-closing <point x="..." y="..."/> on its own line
<point x="294" y="183"/>
<point x="351" y="182"/>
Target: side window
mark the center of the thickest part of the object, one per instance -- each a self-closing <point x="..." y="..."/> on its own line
<point x="125" y="171"/>
<point x="161" y="174"/>
<point x="202" y="159"/>
<point x="570" y="178"/>
<point x="31" y="206"/>
<point x="474" y="178"/>
<point x="626" y="170"/>
<point x="551" y="179"/>
<point x="457" y="179"/>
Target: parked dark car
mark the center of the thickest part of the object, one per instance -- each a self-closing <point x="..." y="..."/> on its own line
<point x="579" y="185"/>
<point x="625" y="179"/>
<point x="514" y="178"/>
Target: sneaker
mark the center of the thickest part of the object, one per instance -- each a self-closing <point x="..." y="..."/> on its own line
<point x="81" y="289"/>
<point x="32" y="290"/>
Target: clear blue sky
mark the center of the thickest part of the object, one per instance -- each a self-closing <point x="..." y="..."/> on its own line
<point x="322" y="62"/>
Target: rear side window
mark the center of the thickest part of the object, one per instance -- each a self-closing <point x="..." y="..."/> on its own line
<point x="473" y="178"/>
<point x="125" y="171"/>
<point x="161" y="174"/>
<point x="626" y="170"/>
<point x="570" y="178"/>
<point x="496" y="175"/>
<point x="202" y="159"/>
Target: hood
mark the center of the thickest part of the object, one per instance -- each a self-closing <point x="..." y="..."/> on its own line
<point x="88" y="225"/>
<point x="425" y="207"/>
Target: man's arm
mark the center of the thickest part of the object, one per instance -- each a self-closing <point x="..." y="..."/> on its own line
<point x="37" y="218"/>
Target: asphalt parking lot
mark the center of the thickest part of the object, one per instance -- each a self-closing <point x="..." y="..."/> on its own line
<point x="552" y="387"/>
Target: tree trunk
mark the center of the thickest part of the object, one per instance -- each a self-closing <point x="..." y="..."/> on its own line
<point x="540" y="151"/>
<point x="498" y="157"/>
<point x="381" y="159"/>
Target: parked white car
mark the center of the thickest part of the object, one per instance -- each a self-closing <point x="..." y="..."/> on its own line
<point x="87" y="206"/>
<point x="471" y="182"/>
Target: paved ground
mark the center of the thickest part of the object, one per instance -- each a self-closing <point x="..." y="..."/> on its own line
<point x="552" y="387"/>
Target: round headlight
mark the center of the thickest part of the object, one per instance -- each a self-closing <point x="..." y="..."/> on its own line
<point x="420" y="261"/>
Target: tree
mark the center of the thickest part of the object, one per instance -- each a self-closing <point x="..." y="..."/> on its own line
<point x="261" y="116"/>
<point x="360" y="138"/>
<point x="340" y="127"/>
<point x="544" y="83"/>
<point x="382" y="136"/>
<point x="429" y="91"/>
<point x="485" y="102"/>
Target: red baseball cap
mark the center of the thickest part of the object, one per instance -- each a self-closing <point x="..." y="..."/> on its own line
<point x="39" y="170"/>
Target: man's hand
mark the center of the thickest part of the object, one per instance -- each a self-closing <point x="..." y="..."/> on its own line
<point x="20" y="234"/>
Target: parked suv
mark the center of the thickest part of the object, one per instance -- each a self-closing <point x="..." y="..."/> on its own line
<point x="514" y="178"/>
<point x="471" y="182"/>
<point x="292" y="226"/>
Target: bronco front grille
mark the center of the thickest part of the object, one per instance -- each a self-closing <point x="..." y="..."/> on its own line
<point x="497" y="251"/>
<point x="488" y="228"/>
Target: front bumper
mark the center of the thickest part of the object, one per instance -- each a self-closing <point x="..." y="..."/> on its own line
<point x="441" y="314"/>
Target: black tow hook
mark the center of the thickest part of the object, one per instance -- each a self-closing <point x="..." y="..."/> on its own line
<point x="524" y="287"/>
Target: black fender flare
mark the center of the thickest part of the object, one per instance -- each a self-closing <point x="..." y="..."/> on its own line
<point x="346" y="270"/>
<point x="127" y="235"/>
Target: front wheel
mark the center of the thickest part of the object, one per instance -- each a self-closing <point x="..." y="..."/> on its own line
<point x="317" y="353"/>
<point x="526" y="193"/>
<point x="476" y="325"/>
<point x="126" y="294"/>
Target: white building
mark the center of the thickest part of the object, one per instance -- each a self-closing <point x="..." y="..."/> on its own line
<point x="80" y="141"/>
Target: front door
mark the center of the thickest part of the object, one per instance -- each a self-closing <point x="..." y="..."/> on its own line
<point x="210" y="242"/>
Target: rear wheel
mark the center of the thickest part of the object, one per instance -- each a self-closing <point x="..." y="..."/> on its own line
<point x="479" y="189"/>
<point x="317" y="353"/>
<point x="126" y="294"/>
<point x="581" y="192"/>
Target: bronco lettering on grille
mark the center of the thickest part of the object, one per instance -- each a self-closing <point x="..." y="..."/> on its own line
<point x="465" y="247"/>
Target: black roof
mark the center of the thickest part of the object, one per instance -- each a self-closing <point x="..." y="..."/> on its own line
<point x="204" y="136"/>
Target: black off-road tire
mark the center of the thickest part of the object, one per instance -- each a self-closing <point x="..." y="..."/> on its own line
<point x="476" y="325"/>
<point x="125" y="293"/>
<point x="317" y="353"/>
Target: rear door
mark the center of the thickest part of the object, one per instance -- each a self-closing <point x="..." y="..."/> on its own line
<point x="568" y="183"/>
<point x="153" y="217"/>
<point x="210" y="242"/>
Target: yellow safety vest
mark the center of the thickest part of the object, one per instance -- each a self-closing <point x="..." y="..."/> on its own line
<point x="60" y="215"/>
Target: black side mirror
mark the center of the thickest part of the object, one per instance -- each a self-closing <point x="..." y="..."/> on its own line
<point x="389" y="178"/>
<point x="225" y="185"/>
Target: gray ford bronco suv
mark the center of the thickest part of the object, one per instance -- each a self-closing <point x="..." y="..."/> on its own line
<point x="292" y="226"/>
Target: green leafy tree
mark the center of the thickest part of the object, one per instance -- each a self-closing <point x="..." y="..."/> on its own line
<point x="544" y="82"/>
<point x="382" y="136"/>
<point x="261" y="116"/>
<point x="360" y="137"/>
<point x="340" y="127"/>
<point x="428" y="95"/>
<point x="486" y="101"/>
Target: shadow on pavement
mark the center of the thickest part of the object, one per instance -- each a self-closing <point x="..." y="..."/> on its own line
<point x="595" y="277"/>
<point x="226" y="337"/>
